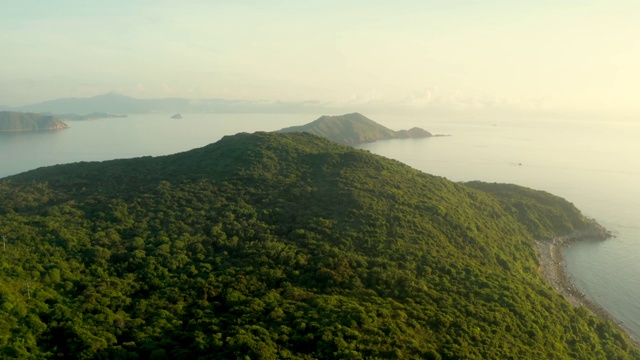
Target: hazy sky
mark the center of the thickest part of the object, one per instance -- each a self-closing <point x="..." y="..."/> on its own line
<point x="568" y="55"/>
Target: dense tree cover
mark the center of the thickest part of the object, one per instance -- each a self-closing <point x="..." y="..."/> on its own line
<point x="544" y="215"/>
<point x="266" y="246"/>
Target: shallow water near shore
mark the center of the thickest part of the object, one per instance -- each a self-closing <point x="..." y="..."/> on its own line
<point x="599" y="269"/>
<point x="594" y="164"/>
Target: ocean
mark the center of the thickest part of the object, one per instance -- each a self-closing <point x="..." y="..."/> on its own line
<point x="593" y="164"/>
<point x="133" y="136"/>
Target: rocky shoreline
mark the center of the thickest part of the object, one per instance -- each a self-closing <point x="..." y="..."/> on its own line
<point x="553" y="269"/>
<point x="51" y="128"/>
<point x="12" y="121"/>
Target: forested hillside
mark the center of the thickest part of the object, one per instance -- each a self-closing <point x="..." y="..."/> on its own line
<point x="277" y="246"/>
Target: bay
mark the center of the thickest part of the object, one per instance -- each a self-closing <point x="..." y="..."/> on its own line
<point x="594" y="164"/>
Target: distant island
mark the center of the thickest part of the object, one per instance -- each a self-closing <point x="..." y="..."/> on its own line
<point x="354" y="129"/>
<point x="19" y="121"/>
<point x="177" y="116"/>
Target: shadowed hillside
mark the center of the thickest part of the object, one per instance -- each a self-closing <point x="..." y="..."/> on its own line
<point x="273" y="245"/>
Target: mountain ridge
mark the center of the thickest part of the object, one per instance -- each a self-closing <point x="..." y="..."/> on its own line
<point x="121" y="104"/>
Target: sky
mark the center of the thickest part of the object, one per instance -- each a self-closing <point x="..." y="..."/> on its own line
<point x="562" y="55"/>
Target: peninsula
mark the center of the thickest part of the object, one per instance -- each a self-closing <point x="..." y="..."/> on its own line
<point x="353" y="129"/>
<point x="19" y="121"/>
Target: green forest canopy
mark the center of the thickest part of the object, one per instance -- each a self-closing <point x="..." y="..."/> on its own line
<point x="268" y="245"/>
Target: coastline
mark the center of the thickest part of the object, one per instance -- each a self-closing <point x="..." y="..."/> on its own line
<point x="553" y="270"/>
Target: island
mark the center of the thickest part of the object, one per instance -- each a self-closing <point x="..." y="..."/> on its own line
<point x="353" y="129"/>
<point x="176" y="116"/>
<point x="283" y="245"/>
<point x="19" y="121"/>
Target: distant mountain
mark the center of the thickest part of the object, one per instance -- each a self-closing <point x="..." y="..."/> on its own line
<point x="18" y="121"/>
<point x="353" y="129"/>
<point x="122" y="104"/>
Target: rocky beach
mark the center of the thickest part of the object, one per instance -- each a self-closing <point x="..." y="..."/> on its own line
<point x="553" y="269"/>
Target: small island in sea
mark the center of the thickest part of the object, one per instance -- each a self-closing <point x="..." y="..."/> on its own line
<point x="353" y="129"/>
<point x="19" y="121"/>
<point x="176" y="116"/>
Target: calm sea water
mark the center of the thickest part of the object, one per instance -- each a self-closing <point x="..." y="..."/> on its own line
<point x="134" y="136"/>
<point x="594" y="164"/>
